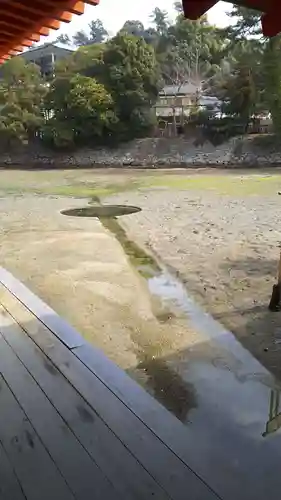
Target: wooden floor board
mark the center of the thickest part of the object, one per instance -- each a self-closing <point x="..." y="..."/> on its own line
<point x="179" y="481"/>
<point x="120" y="466"/>
<point x="146" y="408"/>
<point x="10" y="488"/>
<point x="36" y="471"/>
<point x="67" y="334"/>
<point x="80" y="472"/>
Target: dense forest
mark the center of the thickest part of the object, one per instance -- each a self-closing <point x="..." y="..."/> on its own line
<point x="105" y="91"/>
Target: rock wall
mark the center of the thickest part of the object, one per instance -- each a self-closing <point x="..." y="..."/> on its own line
<point x="154" y="153"/>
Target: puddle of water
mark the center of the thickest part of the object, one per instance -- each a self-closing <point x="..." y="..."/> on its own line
<point x="145" y="264"/>
<point x="237" y="418"/>
<point x="165" y="383"/>
<point x="169" y="388"/>
<point x="101" y="211"/>
<point x="233" y="437"/>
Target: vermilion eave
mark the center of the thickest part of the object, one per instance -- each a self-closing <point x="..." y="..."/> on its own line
<point x="23" y="22"/>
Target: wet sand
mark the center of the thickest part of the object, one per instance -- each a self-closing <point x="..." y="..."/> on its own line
<point x="81" y="269"/>
<point x="225" y="249"/>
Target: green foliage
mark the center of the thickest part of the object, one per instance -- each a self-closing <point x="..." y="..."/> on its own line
<point x="217" y="129"/>
<point x="81" y="110"/>
<point x="81" y="38"/>
<point x="188" y="50"/>
<point x="133" y="27"/>
<point x="96" y="34"/>
<point x="127" y="69"/>
<point x="159" y="19"/>
<point x="83" y="60"/>
<point x="272" y="65"/>
<point x="21" y="97"/>
<point x="106" y="89"/>
<point x="63" y="38"/>
<point x="240" y="85"/>
<point x="255" y="83"/>
<point x="130" y="73"/>
<point x="247" y="23"/>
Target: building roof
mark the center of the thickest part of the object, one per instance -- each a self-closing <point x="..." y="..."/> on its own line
<point x="271" y="9"/>
<point x="179" y="90"/>
<point x="54" y="45"/>
<point x="23" y="22"/>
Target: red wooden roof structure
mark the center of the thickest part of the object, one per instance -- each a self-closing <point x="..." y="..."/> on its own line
<point x="23" y="22"/>
<point x="271" y="9"/>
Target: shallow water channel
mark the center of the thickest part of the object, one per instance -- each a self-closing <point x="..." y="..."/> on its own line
<point x="229" y="402"/>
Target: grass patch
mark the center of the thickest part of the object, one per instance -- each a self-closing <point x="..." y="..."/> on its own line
<point x="89" y="184"/>
<point x="78" y="184"/>
<point x="241" y="185"/>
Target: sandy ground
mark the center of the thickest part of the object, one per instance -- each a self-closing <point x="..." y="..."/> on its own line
<point x="80" y="269"/>
<point x="223" y="243"/>
<point x="225" y="249"/>
<point x="218" y="231"/>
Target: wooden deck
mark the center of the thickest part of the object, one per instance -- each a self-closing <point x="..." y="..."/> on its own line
<point x="72" y="424"/>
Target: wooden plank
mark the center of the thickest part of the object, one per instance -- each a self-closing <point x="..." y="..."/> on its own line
<point x="37" y="473"/>
<point x="125" y="472"/>
<point x="165" y="426"/>
<point x="66" y="333"/>
<point x="81" y="474"/>
<point x="10" y="488"/>
<point x="176" y="478"/>
<point x="146" y="408"/>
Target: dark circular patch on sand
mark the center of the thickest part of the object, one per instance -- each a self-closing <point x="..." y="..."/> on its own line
<point x="101" y="211"/>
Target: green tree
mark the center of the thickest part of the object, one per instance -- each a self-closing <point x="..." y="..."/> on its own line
<point x="132" y="27"/>
<point x="159" y="19"/>
<point x="272" y="69"/>
<point x="81" y="38"/>
<point x="127" y="68"/>
<point x="96" y="34"/>
<point x="81" y="110"/>
<point x="191" y="47"/>
<point x="130" y="72"/>
<point x="81" y="61"/>
<point x="63" y="38"/>
<point x="22" y="92"/>
<point x="136" y="28"/>
<point x="247" y="23"/>
<point x="266" y="67"/>
<point x="241" y="84"/>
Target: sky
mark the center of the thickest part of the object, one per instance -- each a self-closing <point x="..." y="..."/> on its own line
<point x="114" y="13"/>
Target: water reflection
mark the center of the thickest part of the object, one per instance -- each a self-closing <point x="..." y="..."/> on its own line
<point x="221" y="382"/>
<point x="165" y="383"/>
<point x="145" y="264"/>
<point x="274" y="420"/>
<point x="168" y="387"/>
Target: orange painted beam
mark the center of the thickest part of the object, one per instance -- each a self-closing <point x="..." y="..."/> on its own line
<point x="24" y="21"/>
